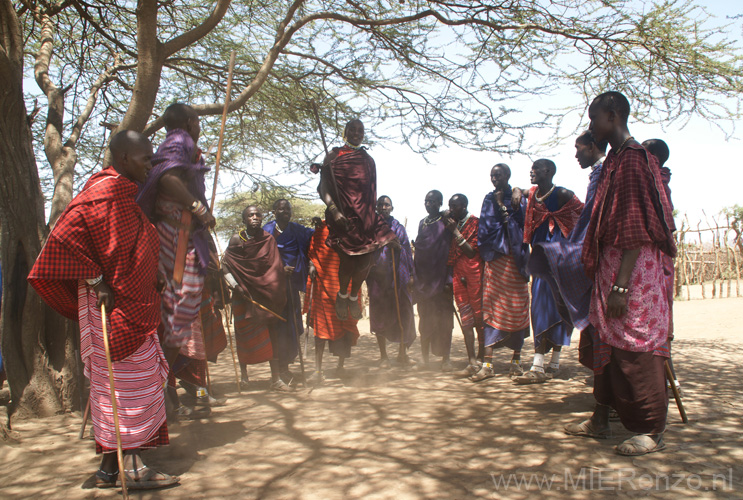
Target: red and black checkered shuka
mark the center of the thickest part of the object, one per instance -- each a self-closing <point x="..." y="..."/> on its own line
<point x="104" y="232"/>
<point x="631" y="208"/>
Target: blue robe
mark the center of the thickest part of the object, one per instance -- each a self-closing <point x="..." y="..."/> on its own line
<point x="546" y="320"/>
<point x="497" y="236"/>
<point x="293" y="243"/>
<point x="559" y="263"/>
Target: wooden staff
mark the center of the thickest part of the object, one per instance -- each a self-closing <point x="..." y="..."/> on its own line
<point x="86" y="414"/>
<point x="221" y="130"/>
<point x="397" y="302"/>
<point x="229" y="316"/>
<point x="308" y="298"/>
<point x="119" y="453"/>
<point x="214" y="196"/>
<point x="676" y="394"/>
<point x="294" y="328"/>
<point x="337" y="198"/>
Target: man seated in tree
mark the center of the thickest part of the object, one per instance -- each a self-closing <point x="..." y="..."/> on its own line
<point x="432" y="287"/>
<point x="103" y="250"/>
<point x="389" y="283"/>
<point x="630" y="230"/>
<point x="467" y="267"/>
<point x="505" y="302"/>
<point x="293" y="240"/>
<point x="348" y="186"/>
<point x="322" y="288"/>
<point x="255" y="272"/>
<point x="174" y="199"/>
<point x="551" y="213"/>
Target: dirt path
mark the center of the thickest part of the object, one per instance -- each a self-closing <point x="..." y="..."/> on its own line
<point x="422" y="434"/>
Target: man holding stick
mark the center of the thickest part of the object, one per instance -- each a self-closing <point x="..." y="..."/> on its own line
<point x="293" y="241"/>
<point x="390" y="280"/>
<point x="630" y="230"/>
<point x="103" y="250"/>
<point x="255" y="272"/>
<point x="320" y="306"/>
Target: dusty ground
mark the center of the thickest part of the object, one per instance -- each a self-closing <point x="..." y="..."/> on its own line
<point x="423" y="434"/>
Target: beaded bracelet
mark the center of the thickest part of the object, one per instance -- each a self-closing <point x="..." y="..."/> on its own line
<point x="94" y="281"/>
<point x="619" y="289"/>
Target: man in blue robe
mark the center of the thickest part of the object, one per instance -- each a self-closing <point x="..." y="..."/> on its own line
<point x="293" y="241"/>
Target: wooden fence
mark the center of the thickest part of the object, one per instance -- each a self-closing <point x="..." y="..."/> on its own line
<point x="709" y="252"/>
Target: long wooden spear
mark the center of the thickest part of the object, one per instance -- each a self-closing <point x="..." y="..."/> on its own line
<point x="221" y="129"/>
<point x="114" y="406"/>
<point x="397" y="304"/>
<point x="211" y="210"/>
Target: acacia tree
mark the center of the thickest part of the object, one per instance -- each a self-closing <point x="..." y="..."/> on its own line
<point x="428" y="72"/>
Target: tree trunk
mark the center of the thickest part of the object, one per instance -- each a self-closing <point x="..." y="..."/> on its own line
<point x="37" y="344"/>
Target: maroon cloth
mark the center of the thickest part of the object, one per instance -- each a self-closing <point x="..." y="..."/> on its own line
<point x="257" y="267"/>
<point x="537" y="213"/>
<point x="631" y="208"/>
<point x="355" y="194"/>
<point x="104" y="232"/>
<point x="634" y="384"/>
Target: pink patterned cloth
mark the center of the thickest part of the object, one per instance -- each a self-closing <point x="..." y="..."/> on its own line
<point x="644" y="327"/>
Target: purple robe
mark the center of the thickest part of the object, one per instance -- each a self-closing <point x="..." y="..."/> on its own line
<point x="435" y="305"/>
<point x="382" y="307"/>
<point x="178" y="150"/>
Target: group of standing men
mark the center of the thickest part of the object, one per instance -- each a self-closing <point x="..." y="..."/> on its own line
<point x="136" y="241"/>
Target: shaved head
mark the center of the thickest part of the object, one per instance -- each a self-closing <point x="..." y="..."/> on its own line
<point x="177" y="116"/>
<point x="127" y="141"/>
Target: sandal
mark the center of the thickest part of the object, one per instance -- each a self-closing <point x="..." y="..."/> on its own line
<point x="484" y="373"/>
<point x="515" y="370"/>
<point x="104" y="479"/>
<point x="641" y="444"/>
<point x="586" y="429"/>
<point x="469" y="371"/>
<point x="280" y="386"/>
<point x="145" y="478"/>
<point x="531" y="377"/>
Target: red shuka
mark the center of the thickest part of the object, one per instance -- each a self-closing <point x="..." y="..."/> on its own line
<point x="631" y="208"/>
<point x="104" y="232"/>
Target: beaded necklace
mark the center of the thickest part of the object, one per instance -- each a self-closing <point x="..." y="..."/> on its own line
<point x="541" y="199"/>
<point x="461" y="224"/>
<point x="348" y="144"/>
<point x="247" y="236"/>
<point x="428" y="221"/>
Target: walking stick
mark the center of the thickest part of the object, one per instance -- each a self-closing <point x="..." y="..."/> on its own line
<point x="221" y="130"/>
<point x="397" y="304"/>
<point x="86" y="414"/>
<point x="456" y="315"/>
<point x="294" y="327"/>
<point x="229" y="317"/>
<point x="114" y="406"/>
<point x="211" y="211"/>
<point x="676" y="394"/>
<point x="309" y="313"/>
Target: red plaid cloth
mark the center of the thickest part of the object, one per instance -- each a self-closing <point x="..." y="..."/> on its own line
<point x="469" y="233"/>
<point x="536" y="213"/>
<point x="103" y="231"/>
<point x="631" y="208"/>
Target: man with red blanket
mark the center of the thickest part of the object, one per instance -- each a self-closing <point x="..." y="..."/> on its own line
<point x="467" y="267"/>
<point x="103" y="250"/>
<point x="348" y="186"/>
<point x="254" y="270"/>
<point x="551" y="213"/>
<point x="630" y="231"/>
<point x="322" y="288"/>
